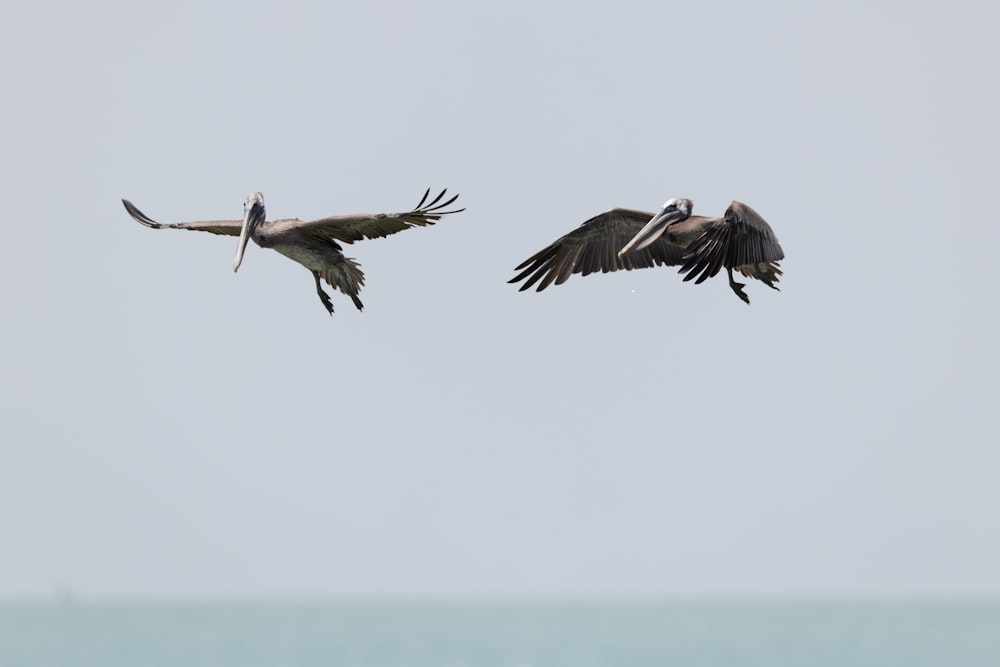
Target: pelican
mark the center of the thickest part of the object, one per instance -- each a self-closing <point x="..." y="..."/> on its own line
<point x="313" y="243"/>
<point x="626" y="239"/>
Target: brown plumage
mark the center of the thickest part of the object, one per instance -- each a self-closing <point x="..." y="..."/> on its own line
<point x="624" y="239"/>
<point x="313" y="243"/>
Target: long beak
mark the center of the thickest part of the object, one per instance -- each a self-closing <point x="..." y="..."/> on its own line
<point x="250" y="219"/>
<point x="652" y="231"/>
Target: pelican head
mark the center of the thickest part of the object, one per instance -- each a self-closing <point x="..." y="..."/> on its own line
<point x="674" y="210"/>
<point x="253" y="214"/>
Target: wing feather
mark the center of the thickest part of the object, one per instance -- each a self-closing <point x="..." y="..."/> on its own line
<point x="224" y="227"/>
<point x="741" y="240"/>
<point x="351" y="228"/>
<point x="593" y="247"/>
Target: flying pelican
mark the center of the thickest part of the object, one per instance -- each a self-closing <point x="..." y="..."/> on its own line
<point x="313" y="244"/>
<point x="701" y="246"/>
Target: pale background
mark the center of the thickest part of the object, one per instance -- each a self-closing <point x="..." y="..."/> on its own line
<point x="169" y="429"/>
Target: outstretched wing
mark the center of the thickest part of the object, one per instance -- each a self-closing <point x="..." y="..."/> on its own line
<point x="225" y="227"/>
<point x="742" y="240"/>
<point x="351" y="228"/>
<point x="593" y="247"/>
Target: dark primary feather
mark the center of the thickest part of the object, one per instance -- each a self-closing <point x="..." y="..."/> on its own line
<point x="351" y="228"/>
<point x="741" y="240"/>
<point x="593" y="247"/>
<point x="224" y="227"/>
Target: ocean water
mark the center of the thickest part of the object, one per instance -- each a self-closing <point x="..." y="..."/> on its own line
<point x="501" y="635"/>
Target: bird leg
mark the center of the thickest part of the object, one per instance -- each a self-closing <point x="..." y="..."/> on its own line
<point x="323" y="296"/>
<point x="737" y="287"/>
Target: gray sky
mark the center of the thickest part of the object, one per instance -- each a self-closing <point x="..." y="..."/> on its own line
<point x="170" y="429"/>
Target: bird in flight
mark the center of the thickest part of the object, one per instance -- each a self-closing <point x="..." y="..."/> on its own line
<point x="624" y="239"/>
<point x="315" y="244"/>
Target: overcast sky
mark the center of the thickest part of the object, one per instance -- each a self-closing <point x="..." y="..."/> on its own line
<point x="168" y="428"/>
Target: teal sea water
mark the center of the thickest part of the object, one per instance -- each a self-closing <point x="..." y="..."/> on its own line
<point x="500" y="635"/>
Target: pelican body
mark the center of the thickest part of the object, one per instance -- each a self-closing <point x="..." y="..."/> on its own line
<point x="313" y="244"/>
<point x="624" y="239"/>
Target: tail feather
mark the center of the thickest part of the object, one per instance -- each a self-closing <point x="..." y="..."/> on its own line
<point x="346" y="275"/>
<point x="767" y="272"/>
